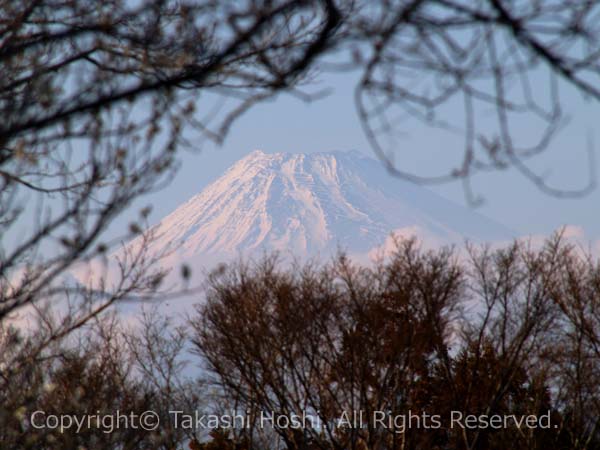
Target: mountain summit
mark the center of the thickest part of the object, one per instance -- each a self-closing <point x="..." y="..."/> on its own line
<point x="312" y="204"/>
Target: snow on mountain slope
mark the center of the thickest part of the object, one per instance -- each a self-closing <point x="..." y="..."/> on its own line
<point x="311" y="205"/>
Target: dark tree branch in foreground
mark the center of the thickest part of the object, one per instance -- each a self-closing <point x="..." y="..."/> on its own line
<point x="517" y="59"/>
<point x="95" y="99"/>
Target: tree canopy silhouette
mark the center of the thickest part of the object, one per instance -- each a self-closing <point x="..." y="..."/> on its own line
<point x="504" y="333"/>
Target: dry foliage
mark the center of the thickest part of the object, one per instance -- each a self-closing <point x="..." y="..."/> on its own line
<point x="513" y="331"/>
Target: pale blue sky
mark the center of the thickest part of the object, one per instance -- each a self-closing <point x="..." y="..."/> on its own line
<point x="290" y="125"/>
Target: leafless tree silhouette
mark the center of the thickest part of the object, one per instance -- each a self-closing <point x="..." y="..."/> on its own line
<point x="511" y="331"/>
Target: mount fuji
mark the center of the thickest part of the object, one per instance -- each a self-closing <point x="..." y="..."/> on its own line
<point x="311" y="205"/>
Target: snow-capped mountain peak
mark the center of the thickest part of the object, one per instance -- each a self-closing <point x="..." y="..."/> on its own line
<point x="312" y="204"/>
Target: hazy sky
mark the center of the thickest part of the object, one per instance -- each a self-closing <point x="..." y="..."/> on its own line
<point x="288" y="124"/>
